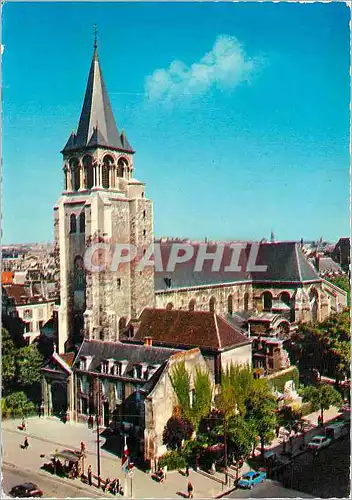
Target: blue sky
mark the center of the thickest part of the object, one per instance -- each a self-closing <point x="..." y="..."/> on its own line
<point x="238" y="112"/>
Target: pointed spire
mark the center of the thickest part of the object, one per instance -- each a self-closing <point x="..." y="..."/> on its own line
<point x="97" y="124"/>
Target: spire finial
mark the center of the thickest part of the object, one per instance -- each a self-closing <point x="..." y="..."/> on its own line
<point x="95" y="36"/>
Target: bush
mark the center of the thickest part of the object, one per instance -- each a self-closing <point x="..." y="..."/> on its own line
<point x="278" y="381"/>
<point x="174" y="460"/>
<point x="17" y="404"/>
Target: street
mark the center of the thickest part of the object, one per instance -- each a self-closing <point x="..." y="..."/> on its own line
<point x="268" y="489"/>
<point x="52" y="488"/>
<point x="326" y="475"/>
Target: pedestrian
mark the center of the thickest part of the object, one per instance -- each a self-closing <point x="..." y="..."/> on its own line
<point x="165" y="471"/>
<point x="83" y="447"/>
<point x="25" y="444"/>
<point x="107" y="484"/>
<point x="90" y="422"/>
<point x="89" y="474"/>
<point x="42" y="407"/>
<point x="190" y="489"/>
<point x="187" y="470"/>
<point x="23" y="424"/>
<point x="277" y="430"/>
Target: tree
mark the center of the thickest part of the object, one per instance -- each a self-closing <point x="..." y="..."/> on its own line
<point x="17" y="402"/>
<point x="241" y="438"/>
<point x="180" y="381"/>
<point x="321" y="398"/>
<point x="29" y="362"/>
<point x="8" y="351"/>
<point x="203" y="395"/>
<point x="236" y="383"/>
<point x="325" y="346"/>
<point x="176" y="431"/>
<point x="260" y="410"/>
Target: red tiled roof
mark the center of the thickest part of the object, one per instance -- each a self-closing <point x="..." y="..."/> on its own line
<point x="203" y="329"/>
<point x="19" y="293"/>
<point x="68" y="358"/>
<point x="7" y="277"/>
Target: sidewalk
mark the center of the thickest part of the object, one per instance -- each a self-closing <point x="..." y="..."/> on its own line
<point x="313" y="429"/>
<point x="47" y="435"/>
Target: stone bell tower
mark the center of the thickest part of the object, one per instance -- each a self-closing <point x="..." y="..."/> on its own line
<point x="101" y="202"/>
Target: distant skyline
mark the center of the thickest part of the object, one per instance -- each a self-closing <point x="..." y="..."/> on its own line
<point x="238" y="112"/>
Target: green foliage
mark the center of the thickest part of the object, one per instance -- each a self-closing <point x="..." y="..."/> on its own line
<point x="180" y="381"/>
<point x="236" y="383"/>
<point x="8" y="351"/>
<point x="279" y="380"/>
<point x="203" y="393"/>
<point x="326" y="346"/>
<point x="260" y="409"/>
<point x="241" y="437"/>
<point x="322" y="397"/>
<point x="342" y="282"/>
<point x="18" y="403"/>
<point x="173" y="460"/>
<point x="30" y="362"/>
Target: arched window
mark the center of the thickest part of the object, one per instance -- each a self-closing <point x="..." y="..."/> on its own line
<point x="105" y="176"/>
<point x="88" y="169"/>
<point x="121" y="167"/>
<point x="107" y="167"/>
<point x="230" y="304"/>
<point x="212" y="304"/>
<point x="169" y="306"/>
<point x="122" y="326"/>
<point x="66" y="180"/>
<point x="246" y="301"/>
<point x="82" y="223"/>
<point x="192" y="305"/>
<point x="73" y="223"/>
<point x="267" y="301"/>
<point x="76" y="174"/>
<point x="285" y="298"/>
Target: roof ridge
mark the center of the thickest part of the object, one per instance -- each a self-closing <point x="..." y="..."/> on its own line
<point x="298" y="263"/>
<point x="217" y="330"/>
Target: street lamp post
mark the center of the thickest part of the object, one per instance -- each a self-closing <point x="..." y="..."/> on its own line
<point x="98" y="437"/>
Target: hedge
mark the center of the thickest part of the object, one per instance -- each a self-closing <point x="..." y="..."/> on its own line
<point x="173" y="460"/>
<point x="278" y="381"/>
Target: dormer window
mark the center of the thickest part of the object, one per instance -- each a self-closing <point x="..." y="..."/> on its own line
<point x="116" y="368"/>
<point x="83" y="364"/>
<point x="137" y="372"/>
<point x="167" y="282"/>
<point x="105" y="367"/>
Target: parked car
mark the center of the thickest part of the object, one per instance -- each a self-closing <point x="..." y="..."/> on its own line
<point x="337" y="430"/>
<point x="26" y="490"/>
<point x="251" y="479"/>
<point x="318" y="442"/>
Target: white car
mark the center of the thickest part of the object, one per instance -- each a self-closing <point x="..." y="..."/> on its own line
<point x="318" y="442"/>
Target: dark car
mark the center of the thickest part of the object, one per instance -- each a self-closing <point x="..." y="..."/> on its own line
<point x="26" y="490"/>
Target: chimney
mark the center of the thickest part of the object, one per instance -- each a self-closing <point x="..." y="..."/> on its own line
<point x="148" y="341"/>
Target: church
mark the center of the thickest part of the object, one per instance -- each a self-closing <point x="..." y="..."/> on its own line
<point x="120" y="329"/>
<point x="103" y="201"/>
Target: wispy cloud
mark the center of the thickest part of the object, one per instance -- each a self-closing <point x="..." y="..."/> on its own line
<point x="224" y="67"/>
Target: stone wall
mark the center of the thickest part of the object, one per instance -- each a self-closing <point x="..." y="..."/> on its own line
<point x="226" y="297"/>
<point x="160" y="403"/>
